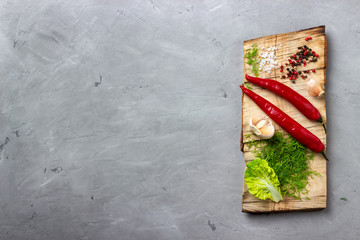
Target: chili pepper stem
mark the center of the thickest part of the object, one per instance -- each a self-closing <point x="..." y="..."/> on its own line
<point x="324" y="156"/>
<point x="324" y="126"/>
<point x="320" y="120"/>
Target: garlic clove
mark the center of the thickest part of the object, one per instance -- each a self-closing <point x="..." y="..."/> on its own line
<point x="262" y="127"/>
<point x="261" y="123"/>
<point x="255" y="130"/>
<point x="267" y="131"/>
<point x="314" y="88"/>
<point x="254" y="120"/>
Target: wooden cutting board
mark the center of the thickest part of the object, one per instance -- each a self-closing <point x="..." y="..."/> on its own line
<point x="287" y="44"/>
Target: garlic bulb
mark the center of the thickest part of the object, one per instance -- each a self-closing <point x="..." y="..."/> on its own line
<point x="262" y="127"/>
<point x="314" y="88"/>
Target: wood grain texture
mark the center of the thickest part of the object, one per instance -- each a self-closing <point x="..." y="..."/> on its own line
<point x="290" y="42"/>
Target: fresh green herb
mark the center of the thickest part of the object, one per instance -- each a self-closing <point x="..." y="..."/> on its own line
<point x="247" y="136"/>
<point x="343" y="198"/>
<point x="251" y="55"/>
<point x="253" y="143"/>
<point x="248" y="85"/>
<point x="290" y="161"/>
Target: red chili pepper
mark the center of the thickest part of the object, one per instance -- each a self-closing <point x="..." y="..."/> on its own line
<point x="297" y="131"/>
<point x="301" y="103"/>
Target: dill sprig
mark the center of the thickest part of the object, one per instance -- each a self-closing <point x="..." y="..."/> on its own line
<point x="251" y="56"/>
<point x="290" y="161"/>
<point x="247" y="85"/>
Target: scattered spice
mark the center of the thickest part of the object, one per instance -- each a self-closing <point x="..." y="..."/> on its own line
<point x="303" y="56"/>
<point x="343" y="198"/>
<point x="268" y="59"/>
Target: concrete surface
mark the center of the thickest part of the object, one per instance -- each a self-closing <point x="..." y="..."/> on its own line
<point x="121" y="119"/>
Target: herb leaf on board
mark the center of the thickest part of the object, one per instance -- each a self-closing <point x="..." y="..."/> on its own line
<point x="251" y="55"/>
<point x="290" y="161"/>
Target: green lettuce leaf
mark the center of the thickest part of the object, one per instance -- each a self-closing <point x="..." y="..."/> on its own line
<point x="262" y="181"/>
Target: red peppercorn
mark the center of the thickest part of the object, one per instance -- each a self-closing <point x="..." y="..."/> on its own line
<point x="283" y="76"/>
<point x="317" y="55"/>
<point x="304" y="64"/>
<point x="281" y="70"/>
<point x="305" y="53"/>
<point x="297" y="60"/>
<point x="281" y="66"/>
<point x="313" y="52"/>
<point x="313" y="70"/>
<point x="303" y="77"/>
<point x="286" y="64"/>
<point x="307" y="39"/>
<point x="294" y="56"/>
<point x="310" y="38"/>
<point x="304" y="61"/>
<point x="295" y="72"/>
<point x="307" y="71"/>
<point x="300" y="58"/>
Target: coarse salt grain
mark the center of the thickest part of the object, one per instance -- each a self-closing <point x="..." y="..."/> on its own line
<point x="267" y="62"/>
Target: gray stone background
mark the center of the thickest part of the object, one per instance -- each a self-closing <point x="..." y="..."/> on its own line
<point x="121" y="119"/>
